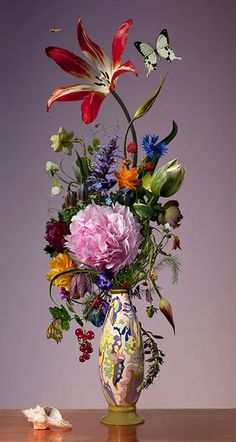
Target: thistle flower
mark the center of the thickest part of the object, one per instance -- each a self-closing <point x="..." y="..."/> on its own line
<point x="102" y="178"/>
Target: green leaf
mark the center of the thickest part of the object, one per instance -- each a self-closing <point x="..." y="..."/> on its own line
<point x="146" y="180"/>
<point x="171" y="135"/>
<point x="90" y="150"/>
<point x="79" y="320"/>
<point x="65" y="325"/>
<point x="143" y="210"/>
<point x="146" y="106"/>
<point x="96" y="144"/>
<point x="65" y="313"/>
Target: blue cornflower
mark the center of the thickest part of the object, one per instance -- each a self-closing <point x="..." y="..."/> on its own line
<point x="152" y="147"/>
<point x="102" y="177"/>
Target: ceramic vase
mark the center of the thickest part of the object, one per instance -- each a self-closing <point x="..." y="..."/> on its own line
<point x="121" y="361"/>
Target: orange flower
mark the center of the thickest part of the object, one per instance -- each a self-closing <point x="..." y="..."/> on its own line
<point x="126" y="178"/>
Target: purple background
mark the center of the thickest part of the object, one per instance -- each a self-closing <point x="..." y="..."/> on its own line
<point x="200" y="95"/>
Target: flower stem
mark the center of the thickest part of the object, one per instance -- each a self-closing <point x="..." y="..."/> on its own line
<point x="129" y="119"/>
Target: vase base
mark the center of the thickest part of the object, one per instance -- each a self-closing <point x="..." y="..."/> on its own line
<point x="121" y="416"/>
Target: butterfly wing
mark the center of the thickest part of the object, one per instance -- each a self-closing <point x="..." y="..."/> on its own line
<point x="163" y="49"/>
<point x="149" y="54"/>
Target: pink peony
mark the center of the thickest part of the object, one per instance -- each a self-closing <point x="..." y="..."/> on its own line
<point x="104" y="237"/>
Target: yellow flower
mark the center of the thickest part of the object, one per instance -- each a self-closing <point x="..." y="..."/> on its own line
<point x="59" y="264"/>
<point x="127" y="179"/>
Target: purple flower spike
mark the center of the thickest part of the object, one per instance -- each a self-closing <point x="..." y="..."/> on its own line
<point x="102" y="177"/>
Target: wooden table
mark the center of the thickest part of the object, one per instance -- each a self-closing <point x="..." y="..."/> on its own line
<point x="160" y="426"/>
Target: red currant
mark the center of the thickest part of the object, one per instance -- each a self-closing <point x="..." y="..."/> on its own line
<point x="89" y="335"/>
<point x="82" y="347"/>
<point x="86" y="356"/>
<point x="82" y="358"/>
<point x="79" y="333"/>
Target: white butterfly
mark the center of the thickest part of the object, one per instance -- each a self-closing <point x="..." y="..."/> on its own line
<point x="151" y="55"/>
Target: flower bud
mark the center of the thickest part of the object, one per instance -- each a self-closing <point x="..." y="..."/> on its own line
<point x="151" y="310"/>
<point x="166" y="309"/>
<point x="82" y="193"/>
<point x="56" y="188"/>
<point x="71" y="199"/>
<point x="168" y="179"/>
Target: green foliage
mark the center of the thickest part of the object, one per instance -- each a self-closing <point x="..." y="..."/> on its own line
<point x="155" y="358"/>
<point x="67" y="213"/>
<point x="62" y="314"/>
<point x="174" y="265"/>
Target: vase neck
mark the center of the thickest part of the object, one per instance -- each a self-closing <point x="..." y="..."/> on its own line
<point x="120" y="293"/>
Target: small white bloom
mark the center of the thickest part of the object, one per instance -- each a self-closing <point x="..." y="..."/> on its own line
<point x="56" y="188"/>
<point x="166" y="228"/>
<point x="51" y="168"/>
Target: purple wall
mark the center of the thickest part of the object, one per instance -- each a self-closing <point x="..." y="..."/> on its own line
<point x="200" y="95"/>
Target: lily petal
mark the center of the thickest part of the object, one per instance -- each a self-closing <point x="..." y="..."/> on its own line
<point x="71" y="63"/>
<point x="92" y="51"/>
<point x="126" y="67"/>
<point x="90" y="106"/>
<point x="70" y="93"/>
<point x="119" y="42"/>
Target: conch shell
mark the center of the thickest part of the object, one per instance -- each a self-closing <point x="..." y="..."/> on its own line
<point x="45" y="417"/>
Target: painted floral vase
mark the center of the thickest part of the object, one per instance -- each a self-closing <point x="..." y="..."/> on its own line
<point x="121" y="361"/>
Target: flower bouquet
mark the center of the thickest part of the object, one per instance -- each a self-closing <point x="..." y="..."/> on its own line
<point x="115" y="229"/>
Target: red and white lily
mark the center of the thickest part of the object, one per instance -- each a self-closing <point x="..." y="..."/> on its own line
<point x="100" y="81"/>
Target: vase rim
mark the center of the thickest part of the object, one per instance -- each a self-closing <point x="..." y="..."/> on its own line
<point x="113" y="291"/>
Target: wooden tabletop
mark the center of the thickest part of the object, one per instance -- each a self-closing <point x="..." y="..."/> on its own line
<point x="160" y="426"/>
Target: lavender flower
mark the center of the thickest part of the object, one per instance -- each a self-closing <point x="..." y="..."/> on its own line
<point x="102" y="178"/>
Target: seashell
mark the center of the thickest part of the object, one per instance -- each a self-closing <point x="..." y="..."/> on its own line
<point x="45" y="417"/>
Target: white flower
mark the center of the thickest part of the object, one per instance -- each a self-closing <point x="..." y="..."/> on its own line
<point x="56" y="188"/>
<point x="166" y="228"/>
<point x="51" y="168"/>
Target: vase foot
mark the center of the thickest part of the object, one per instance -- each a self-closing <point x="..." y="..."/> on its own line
<point x="121" y="416"/>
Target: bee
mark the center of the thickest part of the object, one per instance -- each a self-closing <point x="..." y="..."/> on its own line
<point x="55" y="30"/>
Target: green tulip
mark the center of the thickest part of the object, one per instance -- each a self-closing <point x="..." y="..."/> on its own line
<point x="168" y="179"/>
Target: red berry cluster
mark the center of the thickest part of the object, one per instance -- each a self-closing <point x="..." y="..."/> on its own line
<point x="85" y="346"/>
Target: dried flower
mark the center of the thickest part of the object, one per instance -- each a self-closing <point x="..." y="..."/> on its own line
<point x="176" y="243"/>
<point x="153" y="275"/>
